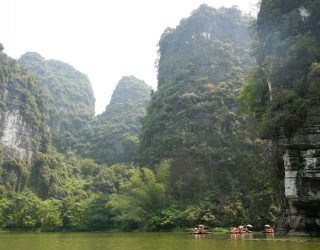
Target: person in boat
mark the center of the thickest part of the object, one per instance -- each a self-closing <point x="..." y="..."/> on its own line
<point x="249" y="228"/>
<point x="242" y="229"/>
<point x="268" y="229"/>
<point x="199" y="229"/>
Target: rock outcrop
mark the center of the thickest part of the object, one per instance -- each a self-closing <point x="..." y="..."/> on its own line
<point x="302" y="177"/>
<point x="17" y="136"/>
<point x="22" y="112"/>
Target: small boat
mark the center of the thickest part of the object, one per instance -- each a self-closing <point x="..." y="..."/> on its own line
<point x="268" y="229"/>
<point x="229" y="232"/>
<point x="234" y="230"/>
<point x="200" y="229"/>
<point x="237" y="230"/>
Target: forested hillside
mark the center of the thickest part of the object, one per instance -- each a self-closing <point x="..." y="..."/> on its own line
<point x="230" y="136"/>
<point x="113" y="137"/>
<point x="218" y="165"/>
<point x="211" y="43"/>
<point x="43" y="189"/>
<point x="69" y="95"/>
<point x="201" y="161"/>
<point x="286" y="80"/>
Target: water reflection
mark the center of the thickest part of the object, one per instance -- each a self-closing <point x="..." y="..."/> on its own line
<point x="251" y="236"/>
<point x="199" y="236"/>
<point x="237" y="236"/>
<point x="270" y="235"/>
<point x="154" y="241"/>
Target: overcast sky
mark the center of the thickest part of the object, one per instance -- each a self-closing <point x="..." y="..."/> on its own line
<point x="105" y="39"/>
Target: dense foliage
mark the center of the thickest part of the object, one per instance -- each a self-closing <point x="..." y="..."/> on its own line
<point x="200" y="158"/>
<point x="113" y="136"/>
<point x="211" y="43"/>
<point x="19" y="91"/>
<point x="286" y="81"/>
<point x="59" y="192"/>
<point x="69" y="94"/>
<point x="219" y="166"/>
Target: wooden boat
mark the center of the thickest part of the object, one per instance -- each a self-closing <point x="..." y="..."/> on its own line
<point x="200" y="229"/>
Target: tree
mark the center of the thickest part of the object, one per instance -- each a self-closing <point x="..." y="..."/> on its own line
<point x="139" y="200"/>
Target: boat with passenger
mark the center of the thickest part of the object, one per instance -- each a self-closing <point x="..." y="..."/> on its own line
<point x="200" y="229"/>
<point x="268" y="229"/>
<point x="240" y="229"/>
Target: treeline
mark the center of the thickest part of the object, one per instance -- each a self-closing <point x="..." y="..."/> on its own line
<point x="67" y="193"/>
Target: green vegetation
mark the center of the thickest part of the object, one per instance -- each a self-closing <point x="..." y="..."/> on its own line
<point x="211" y="43"/>
<point x="69" y="94"/>
<point x="285" y="83"/>
<point x="19" y="91"/>
<point x="113" y="137"/>
<point x="194" y="155"/>
<point x="220" y="173"/>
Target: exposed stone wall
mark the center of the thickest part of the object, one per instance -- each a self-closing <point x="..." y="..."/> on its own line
<point x="302" y="178"/>
<point x="16" y="136"/>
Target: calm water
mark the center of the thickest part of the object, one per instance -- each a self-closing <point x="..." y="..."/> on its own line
<point x="146" y="241"/>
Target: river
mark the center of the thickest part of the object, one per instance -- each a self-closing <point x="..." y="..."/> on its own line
<point x="152" y="241"/>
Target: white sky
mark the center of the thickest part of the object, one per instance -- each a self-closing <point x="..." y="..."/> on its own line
<point x="105" y="39"/>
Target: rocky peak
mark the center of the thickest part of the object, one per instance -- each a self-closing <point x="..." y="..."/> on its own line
<point x="211" y="43"/>
<point x="114" y="134"/>
<point x="130" y="91"/>
<point x="31" y="57"/>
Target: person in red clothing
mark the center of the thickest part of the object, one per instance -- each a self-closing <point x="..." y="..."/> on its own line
<point x="242" y="229"/>
<point x="199" y="229"/>
<point x="268" y="229"/>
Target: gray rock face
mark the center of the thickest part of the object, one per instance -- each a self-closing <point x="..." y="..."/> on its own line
<point x="22" y="112"/>
<point x="18" y="138"/>
<point x="15" y="134"/>
<point x="302" y="178"/>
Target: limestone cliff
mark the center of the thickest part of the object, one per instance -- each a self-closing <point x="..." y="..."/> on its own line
<point x="22" y="111"/>
<point x="302" y="176"/>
